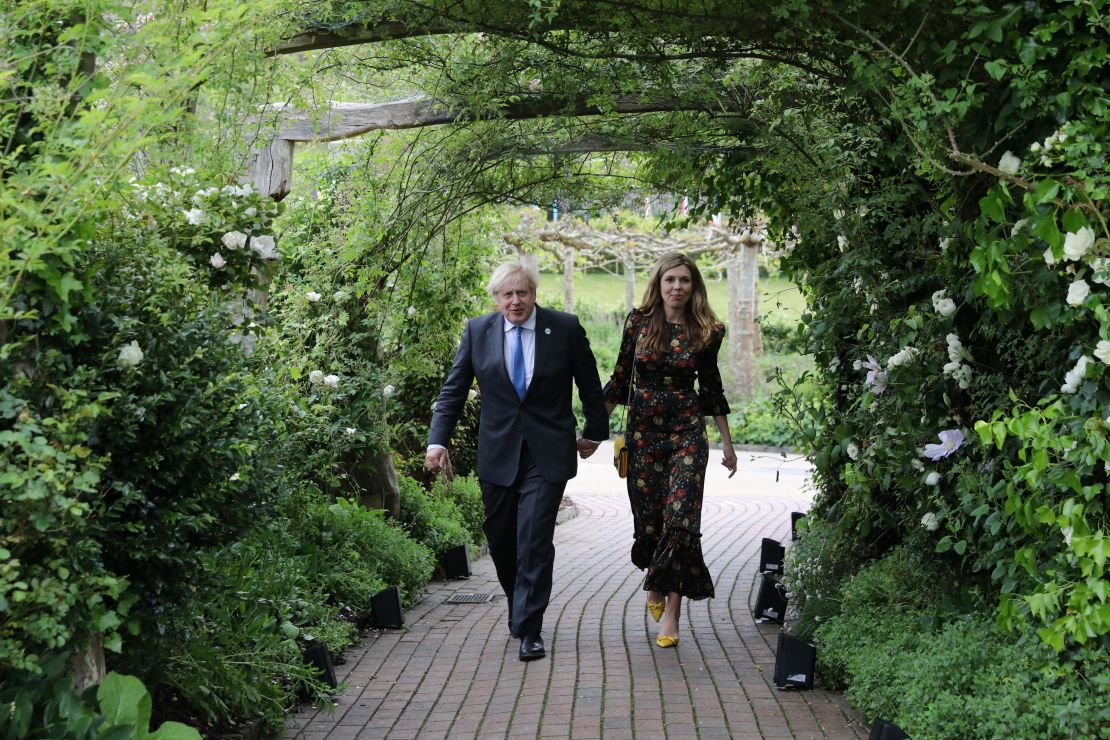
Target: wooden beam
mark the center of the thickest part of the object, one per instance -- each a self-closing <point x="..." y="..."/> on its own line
<point x="345" y="120"/>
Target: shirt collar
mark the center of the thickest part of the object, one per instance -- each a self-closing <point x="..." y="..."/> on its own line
<point x="529" y="324"/>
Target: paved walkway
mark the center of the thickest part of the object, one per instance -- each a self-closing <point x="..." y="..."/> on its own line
<point x="453" y="670"/>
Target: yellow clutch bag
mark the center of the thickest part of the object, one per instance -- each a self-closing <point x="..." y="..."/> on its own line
<point x="620" y="456"/>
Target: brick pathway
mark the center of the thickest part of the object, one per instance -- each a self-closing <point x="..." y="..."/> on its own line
<point x="453" y="670"/>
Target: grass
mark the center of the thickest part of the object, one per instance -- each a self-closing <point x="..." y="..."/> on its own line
<point x="780" y="301"/>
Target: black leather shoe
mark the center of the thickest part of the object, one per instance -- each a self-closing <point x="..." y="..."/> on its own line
<point x="531" y="647"/>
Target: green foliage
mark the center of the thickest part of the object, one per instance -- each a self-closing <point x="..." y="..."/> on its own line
<point x="431" y="517"/>
<point x="908" y="655"/>
<point x="466" y="493"/>
<point x="44" y="704"/>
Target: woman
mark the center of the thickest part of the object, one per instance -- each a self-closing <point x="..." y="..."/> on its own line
<point x="669" y="342"/>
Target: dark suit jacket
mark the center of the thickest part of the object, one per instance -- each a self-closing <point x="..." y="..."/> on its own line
<point x="543" y="418"/>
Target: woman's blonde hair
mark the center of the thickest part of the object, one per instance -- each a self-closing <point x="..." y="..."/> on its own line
<point x="699" y="318"/>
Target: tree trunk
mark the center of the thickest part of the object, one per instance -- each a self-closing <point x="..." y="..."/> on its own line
<point x="568" y="279"/>
<point x="629" y="280"/>
<point x="377" y="478"/>
<point x="743" y="276"/>
<point x="87" y="667"/>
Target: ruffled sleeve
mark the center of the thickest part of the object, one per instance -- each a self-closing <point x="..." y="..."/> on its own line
<point x="616" y="390"/>
<point x="711" y="390"/>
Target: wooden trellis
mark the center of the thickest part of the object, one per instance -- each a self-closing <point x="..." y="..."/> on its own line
<point x="734" y="249"/>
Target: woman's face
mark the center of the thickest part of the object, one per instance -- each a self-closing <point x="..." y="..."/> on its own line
<point x="676" y="285"/>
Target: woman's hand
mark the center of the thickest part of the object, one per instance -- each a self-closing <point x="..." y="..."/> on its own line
<point x="729" y="460"/>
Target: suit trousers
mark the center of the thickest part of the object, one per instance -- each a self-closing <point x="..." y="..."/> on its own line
<point x="520" y="530"/>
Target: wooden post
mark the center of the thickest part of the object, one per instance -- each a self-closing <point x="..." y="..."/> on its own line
<point x="568" y="279"/>
<point x="743" y="279"/>
<point x="629" y="279"/>
<point x="87" y="667"/>
<point x="271" y="173"/>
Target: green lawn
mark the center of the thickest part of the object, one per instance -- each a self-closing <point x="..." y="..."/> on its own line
<point x="780" y="302"/>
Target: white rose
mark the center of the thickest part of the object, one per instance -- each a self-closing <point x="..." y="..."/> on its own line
<point x="217" y="260"/>
<point x="264" y="247"/>
<point x="249" y="212"/>
<point x="1078" y="292"/>
<point x="944" y="243"/>
<point x="1049" y="257"/>
<point x="932" y="478"/>
<point x="411" y="311"/>
<point x="852" y="450"/>
<point x="930" y="521"/>
<point x="942" y="304"/>
<point x="388" y="391"/>
<point x="1009" y="163"/>
<point x="195" y="216"/>
<point x="838" y="213"/>
<point x="1102" y="351"/>
<point x="312" y="296"/>
<point x="331" y="381"/>
<point x="316" y="377"/>
<point x="842" y="242"/>
<point x="130" y="355"/>
<point x="1077" y="243"/>
<point x="234" y="240"/>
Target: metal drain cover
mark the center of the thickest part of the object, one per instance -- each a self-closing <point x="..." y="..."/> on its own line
<point x="469" y="599"/>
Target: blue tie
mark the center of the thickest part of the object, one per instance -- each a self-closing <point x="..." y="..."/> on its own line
<point x="519" y="380"/>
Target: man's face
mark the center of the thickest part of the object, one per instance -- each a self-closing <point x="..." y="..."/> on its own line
<point x="515" y="300"/>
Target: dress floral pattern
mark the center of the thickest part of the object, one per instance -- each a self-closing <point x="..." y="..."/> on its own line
<point x="669" y="452"/>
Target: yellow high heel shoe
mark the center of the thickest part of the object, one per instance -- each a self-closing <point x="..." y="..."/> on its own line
<point x="664" y="641"/>
<point x="655" y="608"/>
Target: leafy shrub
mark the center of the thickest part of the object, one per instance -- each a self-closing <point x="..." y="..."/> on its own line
<point x="44" y="703"/>
<point x="466" y="493"/>
<point x="388" y="550"/>
<point x="432" y="518"/>
<point x="758" y="422"/>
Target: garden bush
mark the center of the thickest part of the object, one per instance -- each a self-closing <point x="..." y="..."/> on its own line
<point x="466" y="493"/>
<point x="432" y="517"/>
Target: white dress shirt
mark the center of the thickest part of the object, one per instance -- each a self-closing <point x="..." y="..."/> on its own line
<point x="528" y="339"/>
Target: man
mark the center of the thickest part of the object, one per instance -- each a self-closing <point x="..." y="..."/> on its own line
<point x="525" y="359"/>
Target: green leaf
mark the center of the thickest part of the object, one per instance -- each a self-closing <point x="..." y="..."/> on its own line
<point x="1073" y="220"/>
<point x="125" y="701"/>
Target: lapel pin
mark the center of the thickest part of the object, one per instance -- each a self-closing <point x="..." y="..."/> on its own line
<point x="547" y="330"/>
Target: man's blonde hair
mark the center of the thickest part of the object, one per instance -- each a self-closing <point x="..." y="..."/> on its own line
<point x="509" y="270"/>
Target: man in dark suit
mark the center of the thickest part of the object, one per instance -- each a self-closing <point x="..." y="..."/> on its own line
<point x="526" y="359"/>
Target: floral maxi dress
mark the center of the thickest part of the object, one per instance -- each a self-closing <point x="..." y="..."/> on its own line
<point x="668" y="452"/>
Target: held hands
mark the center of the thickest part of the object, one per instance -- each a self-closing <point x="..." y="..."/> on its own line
<point x="729" y="460"/>
<point x="586" y="447"/>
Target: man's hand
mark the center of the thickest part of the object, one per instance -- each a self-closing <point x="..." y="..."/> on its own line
<point x="586" y="447"/>
<point x="436" y="460"/>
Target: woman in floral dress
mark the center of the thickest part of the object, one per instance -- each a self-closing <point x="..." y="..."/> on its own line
<point x="671" y="340"/>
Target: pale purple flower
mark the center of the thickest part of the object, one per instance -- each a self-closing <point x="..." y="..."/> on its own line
<point x="950" y="441"/>
<point x="876" y="377"/>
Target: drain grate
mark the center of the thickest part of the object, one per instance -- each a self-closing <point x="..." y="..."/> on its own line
<point x="469" y="599"/>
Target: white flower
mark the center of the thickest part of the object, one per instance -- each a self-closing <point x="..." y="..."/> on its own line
<point x="1009" y="163"/>
<point x="1101" y="268"/>
<point x="411" y="311"/>
<point x="955" y="349"/>
<point x="1077" y="243"/>
<point x="1078" y="292"/>
<point x="932" y="479"/>
<point x="195" y="216"/>
<point x="1049" y="257"/>
<point x="1075" y="376"/>
<point x="904" y="356"/>
<point x="842" y="242"/>
<point x="388" y="391"/>
<point x="1102" y="351"/>
<point x="234" y="240"/>
<point x="312" y="296"/>
<point x="217" y="260"/>
<point x="250" y="212"/>
<point x="350" y="430"/>
<point x="316" y="377"/>
<point x="838" y="213"/>
<point x="339" y="296"/>
<point x="834" y="365"/>
<point x="264" y="247"/>
<point x="856" y="364"/>
<point x="1067" y="532"/>
<point x="944" y="243"/>
<point x="331" y="381"/>
<point x="942" y="304"/>
<point x="917" y="465"/>
<point x="1035" y="147"/>
<point x="852" y="450"/>
<point x="234" y="476"/>
<point x="930" y="521"/>
<point x="130" y="355"/>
